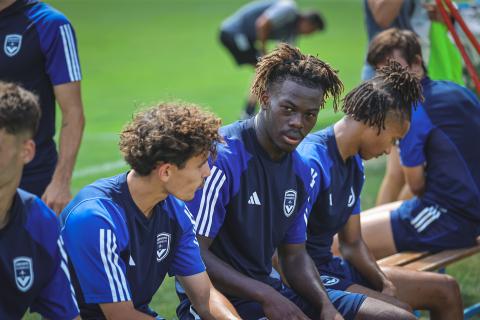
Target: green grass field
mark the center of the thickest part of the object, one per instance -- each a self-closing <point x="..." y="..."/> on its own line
<point x="135" y="53"/>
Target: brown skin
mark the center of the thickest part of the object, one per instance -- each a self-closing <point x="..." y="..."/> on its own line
<point x="289" y="111"/>
<point x="57" y="194"/>
<point x="414" y="177"/>
<point x="417" y="290"/>
<point x="147" y="192"/>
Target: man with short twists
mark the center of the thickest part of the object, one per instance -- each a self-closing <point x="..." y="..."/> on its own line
<point x="377" y="115"/>
<point x="124" y="233"/>
<point x="259" y="196"/>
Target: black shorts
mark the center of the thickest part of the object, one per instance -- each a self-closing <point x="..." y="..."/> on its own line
<point x="241" y="48"/>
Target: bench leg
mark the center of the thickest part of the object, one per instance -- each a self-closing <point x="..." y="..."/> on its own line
<point x="471" y="311"/>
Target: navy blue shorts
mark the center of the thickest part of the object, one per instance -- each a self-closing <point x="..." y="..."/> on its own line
<point x="418" y="226"/>
<point x="339" y="274"/>
<point x="346" y="303"/>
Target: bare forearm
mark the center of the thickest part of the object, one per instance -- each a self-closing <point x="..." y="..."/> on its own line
<point x="231" y="282"/>
<point x="301" y="273"/>
<point x="362" y="259"/>
<point x="385" y="11"/>
<point x="70" y="137"/>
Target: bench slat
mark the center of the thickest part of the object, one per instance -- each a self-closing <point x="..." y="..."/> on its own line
<point x="441" y="259"/>
<point x="401" y="258"/>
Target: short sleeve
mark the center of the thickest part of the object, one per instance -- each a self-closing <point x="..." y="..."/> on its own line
<point x="96" y="257"/>
<point x="412" y="146"/>
<point x="57" y="299"/>
<point x="297" y="233"/>
<point x="281" y="13"/>
<point x="187" y="260"/>
<point x="209" y="204"/>
<point x="59" y="45"/>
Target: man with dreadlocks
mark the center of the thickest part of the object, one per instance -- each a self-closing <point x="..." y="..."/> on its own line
<point x="258" y="198"/>
<point x="377" y="114"/>
<point x="440" y="165"/>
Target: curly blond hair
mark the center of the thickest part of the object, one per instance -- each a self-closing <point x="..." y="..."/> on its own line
<point x="170" y="132"/>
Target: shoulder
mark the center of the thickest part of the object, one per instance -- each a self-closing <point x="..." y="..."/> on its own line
<point x="95" y="202"/>
<point x="46" y="16"/>
<point x="233" y="152"/>
<point x="178" y="210"/>
<point x="314" y="148"/>
<point x="41" y="223"/>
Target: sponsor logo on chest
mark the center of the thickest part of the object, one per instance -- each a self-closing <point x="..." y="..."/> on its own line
<point x="12" y="44"/>
<point x="163" y="245"/>
<point x="23" y="269"/>
<point x="289" y="202"/>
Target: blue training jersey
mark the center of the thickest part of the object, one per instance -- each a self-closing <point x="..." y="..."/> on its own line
<point x="340" y="184"/>
<point x="38" y="50"/>
<point x="442" y="135"/>
<point x="33" y="264"/>
<point x="251" y="204"/>
<point x="117" y="254"/>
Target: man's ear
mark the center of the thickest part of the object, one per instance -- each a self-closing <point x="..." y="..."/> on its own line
<point x="264" y="101"/>
<point x="164" y="171"/>
<point x="28" y="151"/>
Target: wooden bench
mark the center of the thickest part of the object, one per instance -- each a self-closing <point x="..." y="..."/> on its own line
<point x="425" y="261"/>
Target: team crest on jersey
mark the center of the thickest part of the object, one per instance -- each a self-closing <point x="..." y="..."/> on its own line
<point x="289" y="202"/>
<point x="23" y="269"/>
<point x="329" y="281"/>
<point x="12" y="44"/>
<point x="163" y="245"/>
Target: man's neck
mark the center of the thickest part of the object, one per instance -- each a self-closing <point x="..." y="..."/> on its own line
<point x="145" y="192"/>
<point x="264" y="139"/>
<point x="5" y="3"/>
<point x="347" y="135"/>
<point x="7" y="194"/>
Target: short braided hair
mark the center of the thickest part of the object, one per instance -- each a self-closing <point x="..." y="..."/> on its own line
<point x="287" y="62"/>
<point x="393" y="89"/>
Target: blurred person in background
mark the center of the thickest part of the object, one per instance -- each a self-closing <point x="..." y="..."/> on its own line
<point x="245" y="33"/>
<point x="40" y="53"/>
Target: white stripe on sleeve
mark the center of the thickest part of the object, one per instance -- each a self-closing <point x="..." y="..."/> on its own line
<point x="103" y="251"/>
<point x="212" y="208"/>
<point x="67" y="53"/>
<point x="111" y="246"/>
<point x="73" y="52"/>
<point x="64" y="267"/>
<point x="210" y="205"/>
<point x="120" y="272"/>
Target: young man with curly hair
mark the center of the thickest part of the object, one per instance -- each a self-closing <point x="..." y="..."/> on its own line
<point x="33" y="273"/>
<point x="124" y="233"/>
<point x="377" y="114"/>
<point x="259" y="195"/>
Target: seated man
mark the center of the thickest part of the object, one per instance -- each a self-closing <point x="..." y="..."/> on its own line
<point x="33" y="272"/>
<point x="377" y="114"/>
<point x="440" y="163"/>
<point x="124" y="233"/>
<point x="257" y="200"/>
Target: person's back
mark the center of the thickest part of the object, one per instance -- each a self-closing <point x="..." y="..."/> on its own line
<point x="243" y="21"/>
<point x="447" y="122"/>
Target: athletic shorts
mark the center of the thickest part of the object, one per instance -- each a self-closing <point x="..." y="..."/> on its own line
<point x="346" y="303"/>
<point x="339" y="274"/>
<point x="418" y="226"/>
<point x="242" y="49"/>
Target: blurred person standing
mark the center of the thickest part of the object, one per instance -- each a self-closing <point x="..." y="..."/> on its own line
<point x="246" y="32"/>
<point x="40" y="53"/>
